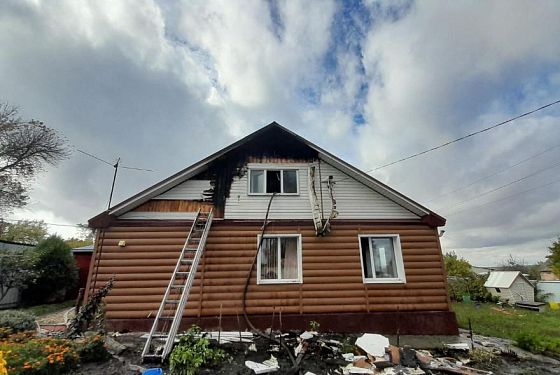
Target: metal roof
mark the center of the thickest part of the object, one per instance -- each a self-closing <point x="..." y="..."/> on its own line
<point x="503" y="279"/>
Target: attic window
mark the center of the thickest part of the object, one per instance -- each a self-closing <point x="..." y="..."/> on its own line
<point x="268" y="181"/>
<point x="498" y="290"/>
<point x="381" y="258"/>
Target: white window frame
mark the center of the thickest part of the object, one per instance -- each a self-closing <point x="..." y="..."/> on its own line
<point x="299" y="280"/>
<point x="401" y="278"/>
<point x="265" y="170"/>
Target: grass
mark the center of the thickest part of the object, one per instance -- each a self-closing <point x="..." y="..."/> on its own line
<point x="509" y="323"/>
<point x="41" y="310"/>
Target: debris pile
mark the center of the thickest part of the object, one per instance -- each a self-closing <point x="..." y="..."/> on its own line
<point x="370" y="354"/>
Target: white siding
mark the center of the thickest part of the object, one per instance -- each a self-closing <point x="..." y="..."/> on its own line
<point x="241" y="205"/>
<point x="189" y="190"/>
<point x="521" y="291"/>
<point x="354" y="199"/>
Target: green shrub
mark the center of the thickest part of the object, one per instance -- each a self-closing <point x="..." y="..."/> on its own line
<point x="471" y="285"/>
<point x="56" y="272"/>
<point x="537" y="344"/>
<point x="93" y="349"/>
<point x="12" y="321"/>
<point x="192" y="352"/>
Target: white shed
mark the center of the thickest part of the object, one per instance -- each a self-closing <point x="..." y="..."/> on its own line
<point x="510" y="286"/>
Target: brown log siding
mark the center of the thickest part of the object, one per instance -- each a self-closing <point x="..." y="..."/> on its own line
<point x="168" y="205"/>
<point x="332" y="276"/>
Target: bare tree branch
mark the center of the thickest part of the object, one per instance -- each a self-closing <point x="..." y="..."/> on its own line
<point x="25" y="148"/>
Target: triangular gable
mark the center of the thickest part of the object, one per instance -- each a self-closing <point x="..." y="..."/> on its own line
<point x="290" y="142"/>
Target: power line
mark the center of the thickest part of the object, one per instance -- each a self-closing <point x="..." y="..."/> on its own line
<point x="54" y="224"/>
<point x="504" y="198"/>
<point x="111" y="164"/>
<point x="465" y="136"/>
<point x="495" y="173"/>
<point x="95" y="157"/>
<point x="506" y="185"/>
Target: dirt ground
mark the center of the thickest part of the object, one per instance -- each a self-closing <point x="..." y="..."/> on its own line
<point x="322" y="360"/>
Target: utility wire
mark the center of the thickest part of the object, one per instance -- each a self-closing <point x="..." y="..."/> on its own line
<point x="460" y="138"/>
<point x="504" y="198"/>
<point x="54" y="224"/>
<point x="95" y="157"/>
<point x="493" y="174"/>
<point x="506" y="185"/>
<point x="111" y="164"/>
<point x="466" y="136"/>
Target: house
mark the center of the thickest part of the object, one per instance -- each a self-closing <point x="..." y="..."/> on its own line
<point x="548" y="275"/>
<point x="338" y="247"/>
<point x="82" y="255"/>
<point x="13" y="297"/>
<point x="510" y="286"/>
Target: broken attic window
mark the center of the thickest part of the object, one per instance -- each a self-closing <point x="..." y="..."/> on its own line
<point x="280" y="181"/>
<point x="381" y="259"/>
<point x="273" y="181"/>
<point x="280" y="260"/>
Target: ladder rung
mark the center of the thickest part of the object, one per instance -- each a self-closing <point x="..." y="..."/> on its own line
<point x="172" y="301"/>
<point x="182" y="273"/>
<point x="186" y="261"/>
<point x="177" y="286"/>
<point x="166" y="318"/>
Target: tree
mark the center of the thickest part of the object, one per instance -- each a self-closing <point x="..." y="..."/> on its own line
<point x="25" y="231"/>
<point x="56" y="272"/>
<point x="554" y="257"/>
<point x="16" y="270"/>
<point x="26" y="146"/>
<point x="85" y="238"/>
<point x="456" y="266"/>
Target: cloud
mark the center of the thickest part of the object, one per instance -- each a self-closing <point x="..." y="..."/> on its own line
<point x="163" y="84"/>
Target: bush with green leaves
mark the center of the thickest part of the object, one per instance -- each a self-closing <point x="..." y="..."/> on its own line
<point x="193" y="351"/>
<point x="471" y="285"/>
<point x="13" y="321"/>
<point x="93" y="349"/>
<point x="56" y="272"/>
<point x="536" y="343"/>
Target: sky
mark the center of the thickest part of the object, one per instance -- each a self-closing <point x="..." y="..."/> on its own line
<point x="163" y="84"/>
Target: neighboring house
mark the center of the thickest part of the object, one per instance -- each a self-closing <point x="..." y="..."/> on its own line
<point x="480" y="270"/>
<point x="548" y="275"/>
<point x="82" y="255"/>
<point x="510" y="286"/>
<point x="12" y="299"/>
<point x="340" y="247"/>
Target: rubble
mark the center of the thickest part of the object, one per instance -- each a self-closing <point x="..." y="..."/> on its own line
<point x="270" y="365"/>
<point x="373" y="344"/>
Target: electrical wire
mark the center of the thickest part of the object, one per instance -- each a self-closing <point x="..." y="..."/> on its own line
<point x="44" y="222"/>
<point x="111" y="164"/>
<point x="506" y="185"/>
<point x="493" y="174"/>
<point x="462" y="138"/>
<point x="466" y="136"/>
<point x="504" y="198"/>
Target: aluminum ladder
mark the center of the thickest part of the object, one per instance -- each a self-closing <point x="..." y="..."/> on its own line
<point x="166" y="323"/>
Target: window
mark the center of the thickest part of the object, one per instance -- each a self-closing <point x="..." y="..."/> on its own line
<point x="279" y="259"/>
<point x="498" y="290"/>
<point x="268" y="181"/>
<point x="381" y="259"/>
